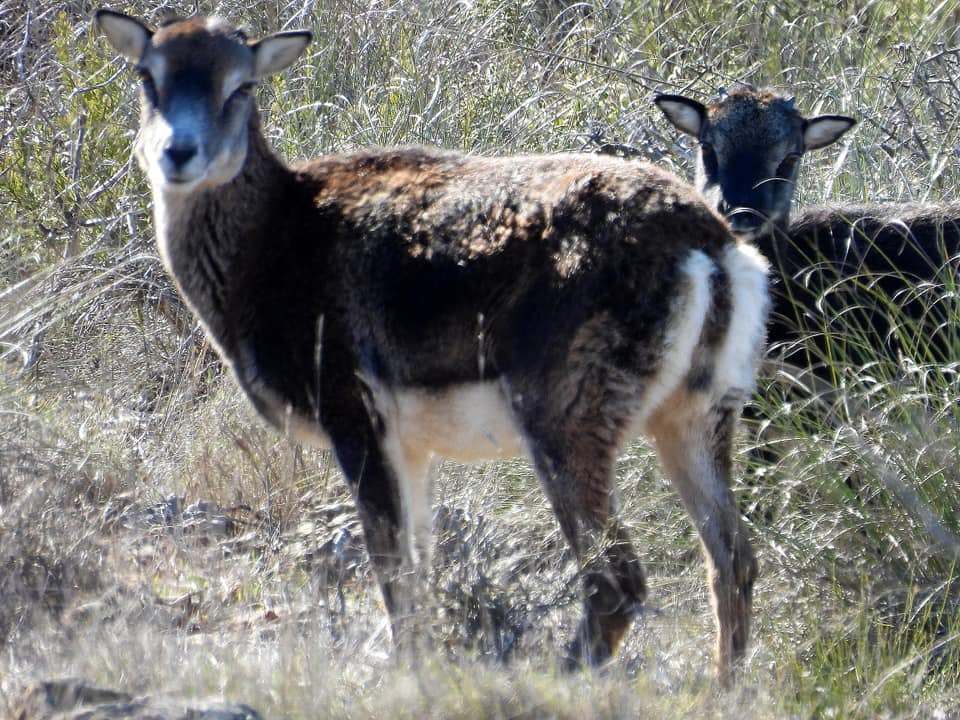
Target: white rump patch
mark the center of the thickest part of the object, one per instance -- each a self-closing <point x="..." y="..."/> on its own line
<point x="686" y="324"/>
<point x="737" y="359"/>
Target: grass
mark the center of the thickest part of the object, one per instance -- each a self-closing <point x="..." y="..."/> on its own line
<point x="112" y="407"/>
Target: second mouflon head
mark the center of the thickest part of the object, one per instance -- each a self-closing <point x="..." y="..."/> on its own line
<point x="751" y="143"/>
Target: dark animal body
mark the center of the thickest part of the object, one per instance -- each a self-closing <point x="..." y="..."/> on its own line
<point x="440" y="269"/>
<point x="878" y="269"/>
<point x="873" y="269"/>
<point x="404" y="304"/>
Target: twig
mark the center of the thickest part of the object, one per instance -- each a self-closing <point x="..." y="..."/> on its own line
<point x="22" y="69"/>
<point x="942" y="53"/>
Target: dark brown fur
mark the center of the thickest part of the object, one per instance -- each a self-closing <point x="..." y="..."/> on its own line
<point x="337" y="286"/>
<point x="837" y="264"/>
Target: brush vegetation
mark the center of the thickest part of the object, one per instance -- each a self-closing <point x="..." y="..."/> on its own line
<point x="157" y="538"/>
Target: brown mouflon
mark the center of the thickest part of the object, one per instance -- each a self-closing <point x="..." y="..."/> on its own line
<point x="406" y="304"/>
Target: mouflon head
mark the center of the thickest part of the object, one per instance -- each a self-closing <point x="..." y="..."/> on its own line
<point x="751" y="142"/>
<point x="196" y="81"/>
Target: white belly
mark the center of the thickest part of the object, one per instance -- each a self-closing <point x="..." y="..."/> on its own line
<point x="468" y="422"/>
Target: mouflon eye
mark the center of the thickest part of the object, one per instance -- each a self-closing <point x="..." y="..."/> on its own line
<point x="148" y="85"/>
<point x="788" y="164"/>
<point x="244" y="90"/>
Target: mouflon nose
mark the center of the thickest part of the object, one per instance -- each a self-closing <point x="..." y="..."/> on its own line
<point x="180" y="152"/>
<point x="745" y="220"/>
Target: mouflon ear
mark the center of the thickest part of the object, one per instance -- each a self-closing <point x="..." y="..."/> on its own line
<point x="825" y="130"/>
<point x="685" y="114"/>
<point x="275" y="52"/>
<point x="128" y="35"/>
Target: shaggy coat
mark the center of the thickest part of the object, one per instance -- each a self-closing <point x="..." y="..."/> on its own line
<point x="404" y="304"/>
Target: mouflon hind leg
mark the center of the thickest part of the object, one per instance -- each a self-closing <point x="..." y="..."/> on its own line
<point x="693" y="439"/>
<point x="573" y="433"/>
<point x="614" y="590"/>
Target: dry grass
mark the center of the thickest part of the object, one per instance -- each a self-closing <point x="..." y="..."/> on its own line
<point x="116" y="422"/>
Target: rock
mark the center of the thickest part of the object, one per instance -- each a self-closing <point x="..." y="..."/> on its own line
<point x="75" y="699"/>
